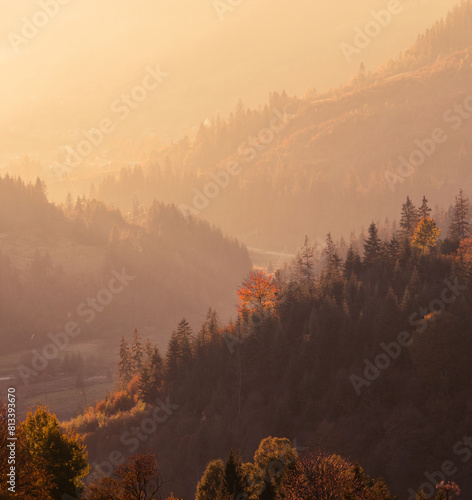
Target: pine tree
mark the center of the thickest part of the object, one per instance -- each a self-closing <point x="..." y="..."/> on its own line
<point x="424" y="211"/>
<point x="172" y="363"/>
<point x="184" y="336"/>
<point x="333" y="261"/>
<point x="125" y="364"/>
<point x="353" y="262"/>
<point x="304" y="266"/>
<point x="144" y="385"/>
<point x="136" y="352"/>
<point x="151" y="377"/>
<point x="393" y="249"/>
<point x="372" y="246"/>
<point x="459" y="227"/>
<point x="148" y="349"/>
<point x="409" y="218"/>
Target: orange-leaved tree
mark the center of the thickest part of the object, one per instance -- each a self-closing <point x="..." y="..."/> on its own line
<point x="257" y="294"/>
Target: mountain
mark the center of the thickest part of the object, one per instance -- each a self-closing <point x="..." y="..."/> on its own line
<point x="66" y="263"/>
<point x="364" y="146"/>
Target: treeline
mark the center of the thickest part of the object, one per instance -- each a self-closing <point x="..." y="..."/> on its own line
<point x="55" y="261"/>
<point x="302" y="361"/>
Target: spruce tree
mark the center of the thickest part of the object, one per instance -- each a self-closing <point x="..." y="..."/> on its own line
<point x="304" y="266"/>
<point x="184" y="337"/>
<point x="424" y="211"/>
<point x="148" y="349"/>
<point x="409" y="218"/>
<point x="393" y="249"/>
<point x="372" y="246"/>
<point x="151" y="377"/>
<point x="136" y="351"/>
<point x="333" y="261"/>
<point x="353" y="262"/>
<point x="125" y="364"/>
<point x="459" y="227"/>
<point x="172" y="363"/>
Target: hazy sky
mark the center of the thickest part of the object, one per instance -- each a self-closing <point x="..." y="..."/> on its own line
<point x="87" y="52"/>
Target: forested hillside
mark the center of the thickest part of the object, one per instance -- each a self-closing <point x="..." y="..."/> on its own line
<point x="363" y="146"/>
<point x="56" y="260"/>
<point x="369" y="359"/>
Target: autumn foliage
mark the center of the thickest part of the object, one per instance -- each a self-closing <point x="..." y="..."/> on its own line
<point x="257" y="293"/>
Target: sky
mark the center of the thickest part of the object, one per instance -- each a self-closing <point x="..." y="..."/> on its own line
<point x="63" y="64"/>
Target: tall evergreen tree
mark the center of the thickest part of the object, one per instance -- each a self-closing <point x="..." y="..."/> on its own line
<point x="148" y="349"/>
<point x="409" y="218"/>
<point x="393" y="249"/>
<point x="125" y="363"/>
<point x="172" y="362"/>
<point x="372" y="246"/>
<point x="184" y="336"/>
<point x="136" y="351"/>
<point x="353" y="262"/>
<point x="304" y="266"/>
<point x="459" y="227"/>
<point x="333" y="261"/>
<point x="424" y="211"/>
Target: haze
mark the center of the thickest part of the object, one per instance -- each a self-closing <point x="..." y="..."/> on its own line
<point x="65" y="77"/>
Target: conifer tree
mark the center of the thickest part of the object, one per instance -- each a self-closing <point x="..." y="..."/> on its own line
<point x="372" y="246"/>
<point x="409" y="218"/>
<point x="333" y="261"/>
<point x="393" y="249"/>
<point x="424" y="211"/>
<point x="353" y="262"/>
<point x="148" y="349"/>
<point x="172" y="363"/>
<point x="304" y="266"/>
<point x="150" y="378"/>
<point x="184" y="337"/>
<point x="125" y="363"/>
<point x="136" y="351"/>
<point x="459" y="227"/>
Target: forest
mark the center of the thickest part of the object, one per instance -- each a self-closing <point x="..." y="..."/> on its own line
<point x="365" y="362"/>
